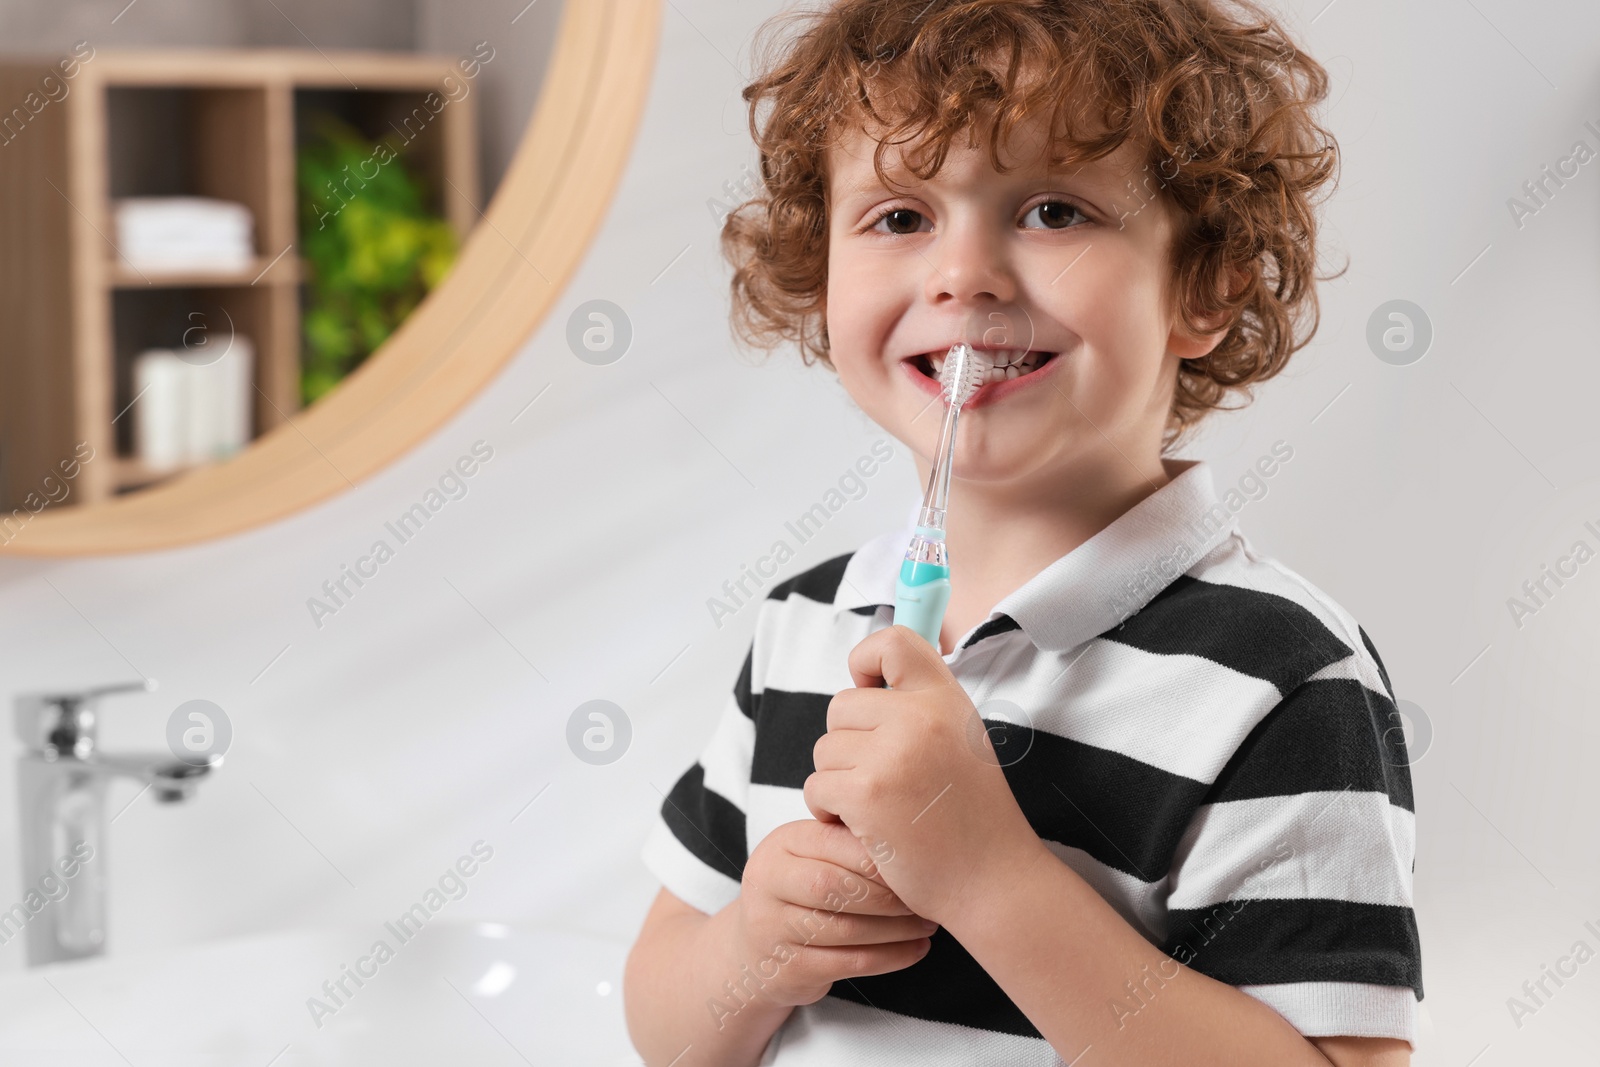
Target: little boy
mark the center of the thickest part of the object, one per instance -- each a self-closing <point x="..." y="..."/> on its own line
<point x="1148" y="802"/>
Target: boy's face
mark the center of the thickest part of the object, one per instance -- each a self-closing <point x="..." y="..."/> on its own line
<point x="1075" y="263"/>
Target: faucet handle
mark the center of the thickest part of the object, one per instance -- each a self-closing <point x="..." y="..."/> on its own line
<point x="65" y="721"/>
<point x="89" y="696"/>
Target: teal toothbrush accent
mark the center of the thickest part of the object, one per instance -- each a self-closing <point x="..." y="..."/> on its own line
<point x="921" y="594"/>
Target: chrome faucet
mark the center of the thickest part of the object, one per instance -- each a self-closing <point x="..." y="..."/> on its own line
<point x="61" y="782"/>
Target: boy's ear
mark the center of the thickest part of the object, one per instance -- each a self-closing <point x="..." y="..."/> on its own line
<point x="1186" y="345"/>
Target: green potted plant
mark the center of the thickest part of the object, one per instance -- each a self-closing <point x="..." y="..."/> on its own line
<point x="373" y="248"/>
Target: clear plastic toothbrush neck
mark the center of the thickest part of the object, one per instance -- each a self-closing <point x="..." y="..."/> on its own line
<point x="936" y="500"/>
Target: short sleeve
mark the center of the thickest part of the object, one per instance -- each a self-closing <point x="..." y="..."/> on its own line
<point x="1293" y="881"/>
<point x="697" y="845"/>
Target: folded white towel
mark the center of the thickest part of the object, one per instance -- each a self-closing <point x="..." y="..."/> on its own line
<point x="192" y="412"/>
<point x="160" y="415"/>
<point x="183" y="233"/>
<point x="231" y="388"/>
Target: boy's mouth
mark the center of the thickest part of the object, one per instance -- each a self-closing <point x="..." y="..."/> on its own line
<point x="1004" y="363"/>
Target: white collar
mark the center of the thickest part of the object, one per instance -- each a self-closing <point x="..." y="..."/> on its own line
<point x="1095" y="586"/>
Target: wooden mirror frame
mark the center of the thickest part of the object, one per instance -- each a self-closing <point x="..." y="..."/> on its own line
<point x="546" y="212"/>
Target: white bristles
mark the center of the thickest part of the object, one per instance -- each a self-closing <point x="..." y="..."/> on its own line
<point x="963" y="372"/>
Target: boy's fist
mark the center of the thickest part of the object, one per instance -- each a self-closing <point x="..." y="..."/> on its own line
<point x="911" y="769"/>
<point x="812" y="910"/>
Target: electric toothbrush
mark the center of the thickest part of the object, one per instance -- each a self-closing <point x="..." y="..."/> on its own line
<point x="922" y="590"/>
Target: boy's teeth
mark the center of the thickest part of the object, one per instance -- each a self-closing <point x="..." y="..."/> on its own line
<point x="996" y="360"/>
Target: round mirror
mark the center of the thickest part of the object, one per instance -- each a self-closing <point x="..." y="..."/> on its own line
<point x="251" y="258"/>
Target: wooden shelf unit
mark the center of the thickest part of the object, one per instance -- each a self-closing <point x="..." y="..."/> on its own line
<point x="205" y="122"/>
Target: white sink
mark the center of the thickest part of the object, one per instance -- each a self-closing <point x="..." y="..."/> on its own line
<point x="476" y="994"/>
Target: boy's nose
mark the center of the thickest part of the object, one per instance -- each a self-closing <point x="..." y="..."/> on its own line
<point x="969" y="268"/>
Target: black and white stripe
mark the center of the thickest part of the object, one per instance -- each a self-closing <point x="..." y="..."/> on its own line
<point x="1223" y="766"/>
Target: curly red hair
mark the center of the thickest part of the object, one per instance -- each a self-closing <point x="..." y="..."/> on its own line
<point x="1216" y="94"/>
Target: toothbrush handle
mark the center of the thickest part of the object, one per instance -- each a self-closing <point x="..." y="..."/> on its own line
<point x="920" y="595"/>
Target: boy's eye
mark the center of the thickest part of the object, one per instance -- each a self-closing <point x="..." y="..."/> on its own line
<point x="1055" y="214"/>
<point x="900" y="217"/>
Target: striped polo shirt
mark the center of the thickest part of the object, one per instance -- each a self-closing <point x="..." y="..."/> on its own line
<point x="1208" y="739"/>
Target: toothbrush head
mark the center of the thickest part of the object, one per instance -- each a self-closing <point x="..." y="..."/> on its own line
<point x="963" y="372"/>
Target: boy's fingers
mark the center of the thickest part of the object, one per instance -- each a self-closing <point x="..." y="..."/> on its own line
<point x="893" y="957"/>
<point x="849" y="876"/>
<point x="836" y="843"/>
<point x="823" y="887"/>
<point x="823" y="929"/>
<point x="898" y="656"/>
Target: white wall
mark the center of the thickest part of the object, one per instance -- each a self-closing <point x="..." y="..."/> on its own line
<point x="414" y="721"/>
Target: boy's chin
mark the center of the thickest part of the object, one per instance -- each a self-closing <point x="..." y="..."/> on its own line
<point x="994" y="470"/>
<point x="992" y="465"/>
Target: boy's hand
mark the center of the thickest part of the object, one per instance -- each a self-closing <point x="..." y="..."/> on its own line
<point x="812" y="908"/>
<point x="911" y="771"/>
